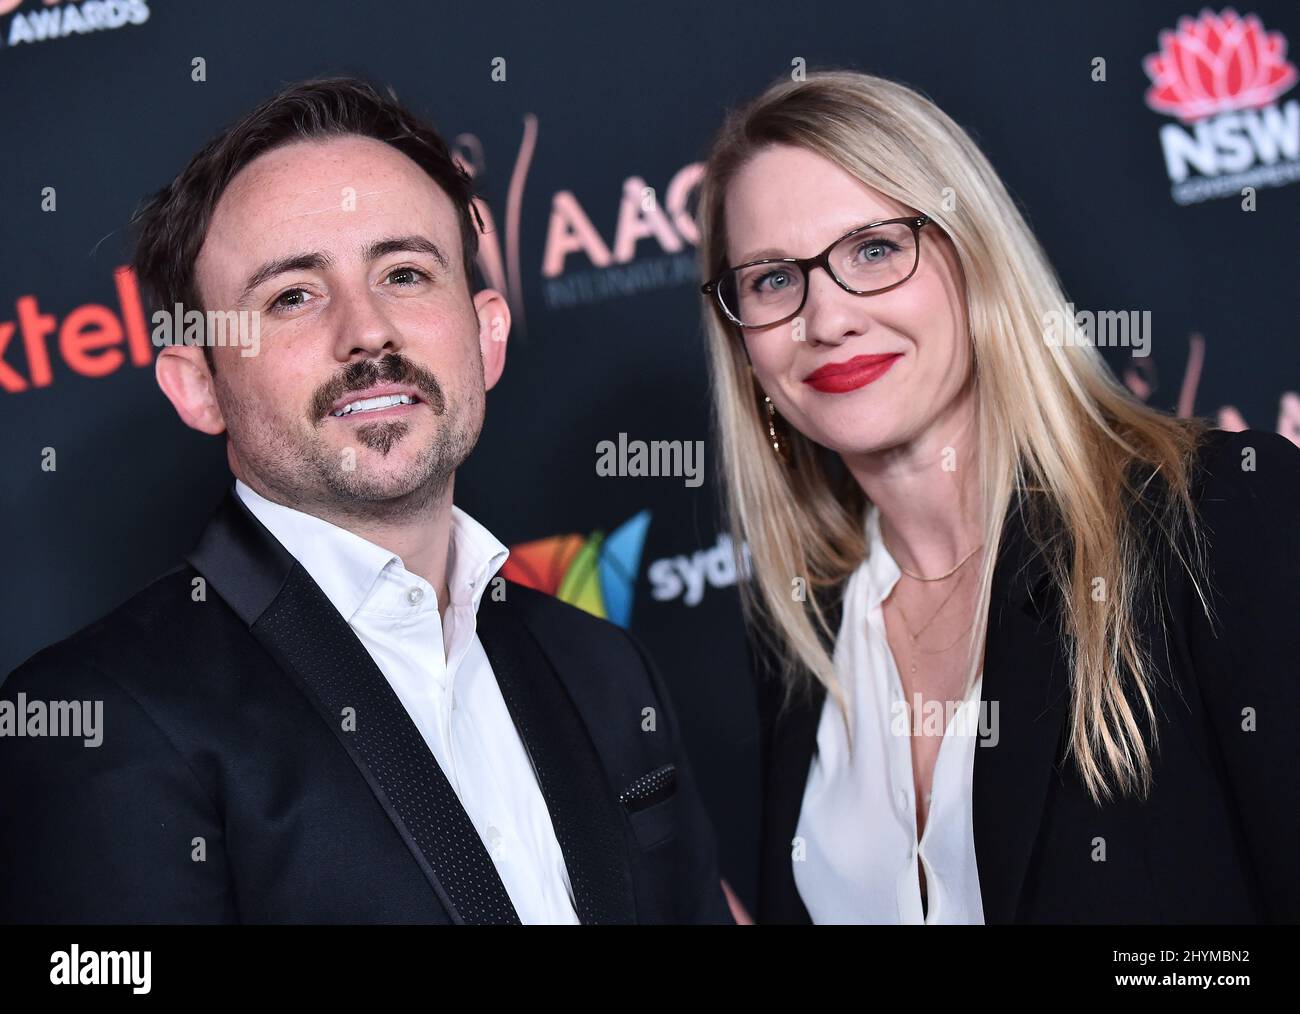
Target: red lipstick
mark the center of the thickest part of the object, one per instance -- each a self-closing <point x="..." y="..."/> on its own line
<point x="837" y="378"/>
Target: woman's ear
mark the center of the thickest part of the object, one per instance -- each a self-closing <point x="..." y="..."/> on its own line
<point x="493" y="331"/>
<point x="182" y="373"/>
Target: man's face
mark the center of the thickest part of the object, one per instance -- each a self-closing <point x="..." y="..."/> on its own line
<point x="352" y="256"/>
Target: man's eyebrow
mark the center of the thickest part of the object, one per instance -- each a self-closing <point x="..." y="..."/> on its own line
<point x="317" y="261"/>
<point x="405" y="244"/>
<point x="294" y="262"/>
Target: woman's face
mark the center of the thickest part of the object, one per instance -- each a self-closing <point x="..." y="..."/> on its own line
<point x="790" y="202"/>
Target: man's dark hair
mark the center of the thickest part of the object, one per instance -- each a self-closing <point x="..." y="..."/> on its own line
<point x="172" y="225"/>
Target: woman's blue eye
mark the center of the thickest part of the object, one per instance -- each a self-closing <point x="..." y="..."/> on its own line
<point x="779" y="280"/>
<point x="882" y="247"/>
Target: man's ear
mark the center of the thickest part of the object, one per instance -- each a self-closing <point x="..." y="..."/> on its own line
<point x="183" y="375"/>
<point x="493" y="330"/>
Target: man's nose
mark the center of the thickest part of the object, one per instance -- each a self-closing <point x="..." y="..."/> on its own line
<point x="364" y="327"/>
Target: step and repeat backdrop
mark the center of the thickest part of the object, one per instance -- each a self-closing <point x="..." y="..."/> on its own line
<point x="1154" y="147"/>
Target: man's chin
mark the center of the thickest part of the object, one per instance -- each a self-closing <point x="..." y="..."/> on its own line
<point x="379" y="439"/>
<point x="384" y="482"/>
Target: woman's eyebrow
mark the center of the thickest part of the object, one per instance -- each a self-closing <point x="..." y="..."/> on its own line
<point x="773" y="253"/>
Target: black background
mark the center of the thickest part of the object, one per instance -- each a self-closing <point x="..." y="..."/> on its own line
<point x="618" y="91"/>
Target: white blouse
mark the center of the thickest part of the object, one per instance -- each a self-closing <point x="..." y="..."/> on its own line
<point x="855" y="852"/>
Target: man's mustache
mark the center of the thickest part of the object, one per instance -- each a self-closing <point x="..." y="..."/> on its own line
<point x="365" y="373"/>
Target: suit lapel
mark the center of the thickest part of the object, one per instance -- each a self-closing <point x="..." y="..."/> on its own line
<point x="791" y="750"/>
<point x="291" y="617"/>
<point x="788" y="749"/>
<point x="588" y="822"/>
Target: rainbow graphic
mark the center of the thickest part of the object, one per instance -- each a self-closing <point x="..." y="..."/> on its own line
<point x="597" y="573"/>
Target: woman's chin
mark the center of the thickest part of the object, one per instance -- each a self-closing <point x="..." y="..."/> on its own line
<point x="856" y="445"/>
<point x="847" y="436"/>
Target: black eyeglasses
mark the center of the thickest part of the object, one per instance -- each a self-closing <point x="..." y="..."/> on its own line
<point x="870" y="259"/>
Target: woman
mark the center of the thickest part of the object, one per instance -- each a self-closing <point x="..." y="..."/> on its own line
<point x="1027" y="646"/>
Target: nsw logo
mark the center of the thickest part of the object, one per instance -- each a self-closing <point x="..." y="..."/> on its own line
<point x="1222" y="76"/>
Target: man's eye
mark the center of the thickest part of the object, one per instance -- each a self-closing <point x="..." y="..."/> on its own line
<point x="406" y="276"/>
<point x="289" y="299"/>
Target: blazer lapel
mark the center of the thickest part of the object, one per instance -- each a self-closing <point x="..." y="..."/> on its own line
<point x="291" y="617"/>
<point x="588" y="823"/>
<point x="1025" y="680"/>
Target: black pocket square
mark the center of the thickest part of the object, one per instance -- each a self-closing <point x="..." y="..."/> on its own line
<point x="653" y="787"/>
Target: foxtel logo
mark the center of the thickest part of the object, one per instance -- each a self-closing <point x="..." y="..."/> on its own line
<point x="92" y="339"/>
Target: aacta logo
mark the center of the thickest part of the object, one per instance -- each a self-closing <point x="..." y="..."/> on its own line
<point x="56" y="20"/>
<point x="597" y="573"/>
<point x="667" y="228"/>
<point x="1221" y="76"/>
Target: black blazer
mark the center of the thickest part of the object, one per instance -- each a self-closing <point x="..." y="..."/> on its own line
<point x="1217" y="841"/>
<point x="222" y="722"/>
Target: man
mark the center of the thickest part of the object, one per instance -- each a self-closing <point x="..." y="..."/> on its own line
<point x="334" y="711"/>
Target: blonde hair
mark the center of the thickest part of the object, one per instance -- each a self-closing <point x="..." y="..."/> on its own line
<point x="1053" y="423"/>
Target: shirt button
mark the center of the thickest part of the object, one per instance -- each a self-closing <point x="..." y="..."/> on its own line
<point x="415" y="596"/>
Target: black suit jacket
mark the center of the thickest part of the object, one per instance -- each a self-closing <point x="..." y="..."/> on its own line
<point x="1217" y="840"/>
<point x="222" y="722"/>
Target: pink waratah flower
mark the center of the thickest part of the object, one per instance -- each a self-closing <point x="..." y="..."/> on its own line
<point x="1217" y="63"/>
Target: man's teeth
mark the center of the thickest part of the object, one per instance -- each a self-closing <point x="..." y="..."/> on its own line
<point x="372" y="404"/>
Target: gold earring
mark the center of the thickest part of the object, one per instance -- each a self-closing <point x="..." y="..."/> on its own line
<point x="781" y="453"/>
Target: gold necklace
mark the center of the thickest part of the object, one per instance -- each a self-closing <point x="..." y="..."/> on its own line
<point x="908" y="627"/>
<point x="913" y="650"/>
<point x="918" y="577"/>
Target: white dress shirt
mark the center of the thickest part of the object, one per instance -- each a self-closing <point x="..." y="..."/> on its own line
<point x="857" y="826"/>
<point x="437" y="667"/>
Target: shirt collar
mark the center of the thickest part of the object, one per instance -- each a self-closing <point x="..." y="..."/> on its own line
<point x="473" y="559"/>
<point x="347" y="567"/>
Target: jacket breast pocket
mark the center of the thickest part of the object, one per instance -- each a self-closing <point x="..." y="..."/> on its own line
<point x="655" y="824"/>
<point x="651" y="805"/>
